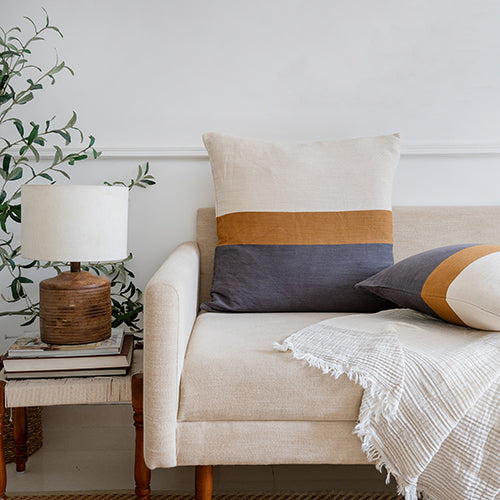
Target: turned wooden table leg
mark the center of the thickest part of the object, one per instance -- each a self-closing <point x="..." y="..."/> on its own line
<point x="20" y="435"/>
<point x="3" y="470"/>
<point x="141" y="472"/>
<point x="204" y="482"/>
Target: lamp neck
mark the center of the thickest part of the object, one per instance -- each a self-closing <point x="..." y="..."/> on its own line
<point x="75" y="267"/>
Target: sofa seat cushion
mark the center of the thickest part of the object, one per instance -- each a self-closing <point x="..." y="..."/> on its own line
<point x="231" y="372"/>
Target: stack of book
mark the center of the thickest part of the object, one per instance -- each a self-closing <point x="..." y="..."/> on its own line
<point x="29" y="357"/>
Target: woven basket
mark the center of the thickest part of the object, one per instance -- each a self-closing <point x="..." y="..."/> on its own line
<point x="34" y="431"/>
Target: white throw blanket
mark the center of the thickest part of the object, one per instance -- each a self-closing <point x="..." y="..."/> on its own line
<point x="430" y="412"/>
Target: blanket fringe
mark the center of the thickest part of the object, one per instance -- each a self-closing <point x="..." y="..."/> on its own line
<point x="388" y="404"/>
<point x="387" y="407"/>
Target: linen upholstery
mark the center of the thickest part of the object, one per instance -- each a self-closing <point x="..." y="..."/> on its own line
<point x="457" y="283"/>
<point x="268" y="442"/>
<point x="170" y="302"/>
<point x="170" y="307"/>
<point x="230" y="362"/>
<point x="299" y="224"/>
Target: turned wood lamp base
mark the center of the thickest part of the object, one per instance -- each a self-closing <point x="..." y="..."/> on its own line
<point x="75" y="307"/>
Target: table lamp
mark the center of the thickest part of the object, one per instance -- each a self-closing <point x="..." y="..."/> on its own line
<point x="73" y="223"/>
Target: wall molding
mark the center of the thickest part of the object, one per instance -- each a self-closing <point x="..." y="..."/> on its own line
<point x="200" y="153"/>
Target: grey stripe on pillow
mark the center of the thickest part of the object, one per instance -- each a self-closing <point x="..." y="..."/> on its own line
<point x="296" y="277"/>
<point x="406" y="278"/>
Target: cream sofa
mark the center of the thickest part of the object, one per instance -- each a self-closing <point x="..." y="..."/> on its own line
<point x="215" y="391"/>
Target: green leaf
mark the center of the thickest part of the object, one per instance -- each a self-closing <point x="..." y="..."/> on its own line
<point x="17" y="173"/>
<point x="22" y="279"/>
<point x="8" y="53"/>
<point x="15" y="28"/>
<point x="62" y="172"/>
<point x="14" y="289"/>
<point x="31" y="264"/>
<point x="56" y="29"/>
<point x="57" y="68"/>
<point x="72" y="121"/>
<point x="6" y="97"/>
<point x="33" y="85"/>
<point x="58" y="156"/>
<point x="19" y="126"/>
<point x="47" y="20"/>
<point x="15" y="213"/>
<point x="3" y="196"/>
<point x="46" y="176"/>
<point x="30" y="321"/>
<point x="32" y="22"/>
<point x="6" y="165"/>
<point x="64" y="135"/>
<point x="26" y="98"/>
<point x="33" y="134"/>
<point x="35" y="153"/>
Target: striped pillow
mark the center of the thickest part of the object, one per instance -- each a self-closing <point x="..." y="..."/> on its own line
<point x="458" y="283"/>
<point x="300" y="224"/>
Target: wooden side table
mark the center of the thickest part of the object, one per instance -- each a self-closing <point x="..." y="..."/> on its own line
<point x="19" y="394"/>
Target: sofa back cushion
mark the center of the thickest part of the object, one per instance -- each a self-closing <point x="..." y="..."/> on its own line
<point x="416" y="229"/>
<point x="299" y="224"/>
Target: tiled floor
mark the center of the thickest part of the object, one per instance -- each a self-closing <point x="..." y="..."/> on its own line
<point x="92" y="448"/>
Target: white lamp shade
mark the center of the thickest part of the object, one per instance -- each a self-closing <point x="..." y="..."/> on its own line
<point x="74" y="223"/>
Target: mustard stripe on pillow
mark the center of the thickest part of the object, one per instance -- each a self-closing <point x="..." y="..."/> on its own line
<point x="305" y="228"/>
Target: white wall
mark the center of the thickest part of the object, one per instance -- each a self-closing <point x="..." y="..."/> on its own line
<point x="152" y="76"/>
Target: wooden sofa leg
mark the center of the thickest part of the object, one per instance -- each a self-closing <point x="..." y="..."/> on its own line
<point x="141" y="472"/>
<point x="204" y="482"/>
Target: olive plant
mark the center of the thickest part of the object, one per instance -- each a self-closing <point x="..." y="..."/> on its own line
<point x="21" y="143"/>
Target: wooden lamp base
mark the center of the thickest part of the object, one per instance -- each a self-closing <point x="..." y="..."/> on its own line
<point x="75" y="308"/>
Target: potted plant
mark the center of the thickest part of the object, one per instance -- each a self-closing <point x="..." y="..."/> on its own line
<point x="21" y="144"/>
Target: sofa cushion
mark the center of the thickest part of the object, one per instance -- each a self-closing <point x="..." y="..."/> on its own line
<point x="232" y="372"/>
<point x="299" y="224"/>
<point x="458" y="283"/>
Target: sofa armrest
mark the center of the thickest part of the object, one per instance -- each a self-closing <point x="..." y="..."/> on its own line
<point x="170" y="309"/>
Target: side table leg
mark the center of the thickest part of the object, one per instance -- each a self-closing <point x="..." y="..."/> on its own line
<point x="141" y="471"/>
<point x="3" y="471"/>
<point x="20" y="434"/>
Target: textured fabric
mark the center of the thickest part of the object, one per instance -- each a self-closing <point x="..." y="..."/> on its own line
<point x="216" y="496"/>
<point x="296" y="277"/>
<point x="170" y="307"/>
<point x="71" y="391"/>
<point x="458" y="283"/>
<point x="232" y="373"/>
<point x="299" y="223"/>
<point x="268" y="442"/>
<point x="416" y="229"/>
<point x="431" y="405"/>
